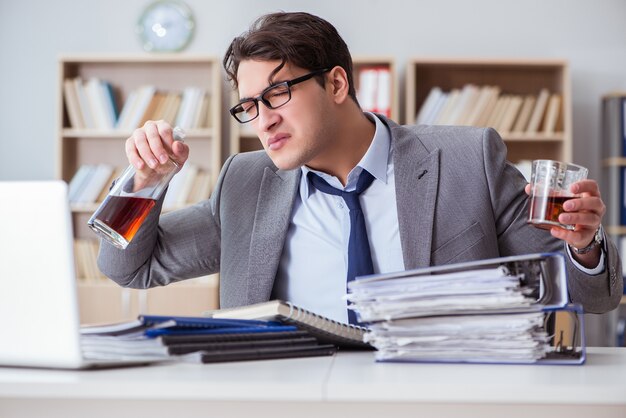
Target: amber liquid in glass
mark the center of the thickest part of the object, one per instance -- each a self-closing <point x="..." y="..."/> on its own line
<point x="545" y="211"/>
<point x="124" y="214"/>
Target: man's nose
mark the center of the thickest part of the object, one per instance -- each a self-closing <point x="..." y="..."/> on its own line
<point x="267" y="117"/>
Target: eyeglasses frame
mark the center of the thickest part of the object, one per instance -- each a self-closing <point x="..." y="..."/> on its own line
<point x="288" y="83"/>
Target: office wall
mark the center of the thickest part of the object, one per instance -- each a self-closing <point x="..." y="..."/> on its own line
<point x="590" y="34"/>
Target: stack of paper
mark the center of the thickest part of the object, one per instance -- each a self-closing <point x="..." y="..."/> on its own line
<point x="489" y="312"/>
<point x="443" y="294"/>
<point x="473" y="338"/>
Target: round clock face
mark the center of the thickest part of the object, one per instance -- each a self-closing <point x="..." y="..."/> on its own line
<point x="166" y="26"/>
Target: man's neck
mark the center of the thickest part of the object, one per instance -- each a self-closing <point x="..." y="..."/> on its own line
<point x="352" y="141"/>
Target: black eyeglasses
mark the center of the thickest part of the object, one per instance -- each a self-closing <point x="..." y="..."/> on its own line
<point x="273" y="97"/>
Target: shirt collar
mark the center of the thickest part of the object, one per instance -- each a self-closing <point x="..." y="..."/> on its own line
<point x="375" y="161"/>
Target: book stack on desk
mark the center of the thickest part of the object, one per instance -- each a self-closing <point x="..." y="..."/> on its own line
<point x="493" y="311"/>
<point x="198" y="338"/>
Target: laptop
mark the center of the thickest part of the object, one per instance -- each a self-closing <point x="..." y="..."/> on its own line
<point x="38" y="292"/>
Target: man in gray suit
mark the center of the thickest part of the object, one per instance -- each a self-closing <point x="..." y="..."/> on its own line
<point x="274" y="226"/>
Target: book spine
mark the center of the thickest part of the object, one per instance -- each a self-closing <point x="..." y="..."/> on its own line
<point x="108" y="96"/>
<point x="428" y="105"/>
<point x="72" y="105"/>
<point x="83" y="102"/>
<point x="538" y="112"/>
<point x="383" y="93"/>
<point x="368" y="86"/>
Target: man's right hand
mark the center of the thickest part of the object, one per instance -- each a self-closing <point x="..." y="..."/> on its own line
<point x="152" y="145"/>
<point x="149" y="150"/>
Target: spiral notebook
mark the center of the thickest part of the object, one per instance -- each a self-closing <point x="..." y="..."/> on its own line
<point x="324" y="329"/>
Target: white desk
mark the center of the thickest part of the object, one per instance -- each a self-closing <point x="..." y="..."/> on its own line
<point x="347" y="385"/>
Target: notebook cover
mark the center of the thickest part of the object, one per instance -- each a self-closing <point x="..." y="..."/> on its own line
<point x="186" y="348"/>
<point x="267" y="353"/>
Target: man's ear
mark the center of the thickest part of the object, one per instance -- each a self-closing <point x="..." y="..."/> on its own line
<point x="338" y="80"/>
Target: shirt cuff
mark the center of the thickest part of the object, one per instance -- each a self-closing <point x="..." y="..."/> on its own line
<point x="599" y="269"/>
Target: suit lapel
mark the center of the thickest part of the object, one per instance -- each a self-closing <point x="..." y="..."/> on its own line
<point x="417" y="178"/>
<point x="271" y="221"/>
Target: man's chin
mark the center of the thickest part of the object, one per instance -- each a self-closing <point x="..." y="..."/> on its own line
<point x="285" y="163"/>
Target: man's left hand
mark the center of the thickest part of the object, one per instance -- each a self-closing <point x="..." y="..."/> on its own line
<point x="585" y="211"/>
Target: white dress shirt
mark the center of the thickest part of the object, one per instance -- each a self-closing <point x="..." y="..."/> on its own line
<point x="314" y="263"/>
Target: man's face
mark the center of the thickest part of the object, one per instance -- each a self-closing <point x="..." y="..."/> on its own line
<point x="298" y="132"/>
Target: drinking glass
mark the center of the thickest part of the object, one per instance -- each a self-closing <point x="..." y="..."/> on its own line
<point x="550" y="183"/>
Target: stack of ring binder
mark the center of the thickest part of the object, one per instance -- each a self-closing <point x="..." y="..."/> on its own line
<point x="510" y="310"/>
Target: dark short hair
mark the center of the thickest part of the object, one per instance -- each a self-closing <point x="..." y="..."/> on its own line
<point x="299" y="39"/>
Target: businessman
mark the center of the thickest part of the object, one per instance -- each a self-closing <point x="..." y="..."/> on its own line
<point x="338" y="192"/>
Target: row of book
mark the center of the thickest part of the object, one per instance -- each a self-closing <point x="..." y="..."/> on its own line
<point x="485" y="106"/>
<point x="86" y="259"/>
<point x="93" y="104"/>
<point x="190" y="185"/>
<point x="374" y="89"/>
<point x="91" y="183"/>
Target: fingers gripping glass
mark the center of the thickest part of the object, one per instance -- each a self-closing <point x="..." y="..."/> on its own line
<point x="273" y="97"/>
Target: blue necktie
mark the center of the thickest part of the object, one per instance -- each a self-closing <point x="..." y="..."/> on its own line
<point x="359" y="256"/>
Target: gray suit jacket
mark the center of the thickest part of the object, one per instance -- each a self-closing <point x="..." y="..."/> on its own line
<point x="457" y="200"/>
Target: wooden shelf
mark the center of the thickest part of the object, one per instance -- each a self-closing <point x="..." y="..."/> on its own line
<point x="102" y="300"/>
<point x="167" y="72"/>
<point x="522" y="137"/>
<point x="616" y="229"/>
<point x="614" y="162"/>
<point x="514" y="77"/>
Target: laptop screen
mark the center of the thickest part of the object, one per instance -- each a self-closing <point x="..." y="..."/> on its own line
<point x="38" y="298"/>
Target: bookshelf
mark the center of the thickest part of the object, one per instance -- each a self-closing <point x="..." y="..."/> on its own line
<point x="79" y="144"/>
<point x="612" y="183"/>
<point x="513" y="78"/>
<point x="613" y="137"/>
<point x="243" y="138"/>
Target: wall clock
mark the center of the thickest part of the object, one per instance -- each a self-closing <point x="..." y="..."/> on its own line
<point x="166" y="26"/>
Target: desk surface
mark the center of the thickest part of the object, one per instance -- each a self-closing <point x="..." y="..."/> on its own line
<point x="324" y="385"/>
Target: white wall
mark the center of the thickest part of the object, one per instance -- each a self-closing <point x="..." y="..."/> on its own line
<point x="590" y="34"/>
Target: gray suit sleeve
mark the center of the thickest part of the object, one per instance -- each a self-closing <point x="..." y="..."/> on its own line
<point x="598" y="293"/>
<point x="169" y="248"/>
